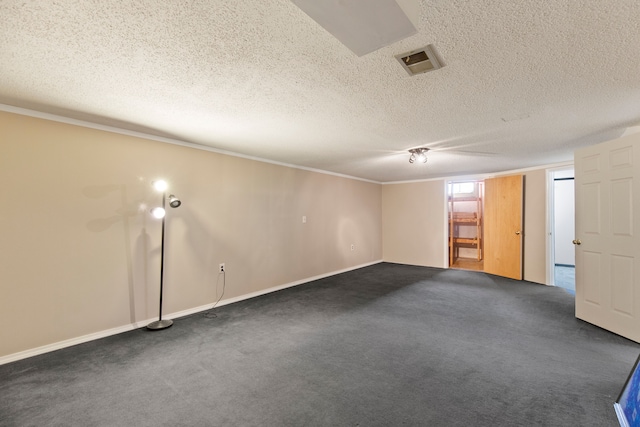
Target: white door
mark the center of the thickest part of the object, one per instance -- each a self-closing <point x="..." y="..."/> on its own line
<point x="607" y="241"/>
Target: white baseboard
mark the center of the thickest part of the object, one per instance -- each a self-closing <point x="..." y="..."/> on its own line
<point x="130" y="327"/>
<point x="70" y="342"/>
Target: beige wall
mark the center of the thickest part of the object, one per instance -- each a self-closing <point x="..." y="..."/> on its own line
<point x="414" y="224"/>
<point x="80" y="254"/>
<point x="414" y="228"/>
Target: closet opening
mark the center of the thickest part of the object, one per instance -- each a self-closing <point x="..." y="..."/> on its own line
<point x="465" y="205"/>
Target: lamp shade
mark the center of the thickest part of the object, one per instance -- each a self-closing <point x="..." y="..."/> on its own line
<point x="174" y="202"/>
<point x="158" y="212"/>
<point x="160" y="185"/>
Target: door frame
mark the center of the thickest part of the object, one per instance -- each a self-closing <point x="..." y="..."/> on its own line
<point x="447" y="182"/>
<point x="550" y="224"/>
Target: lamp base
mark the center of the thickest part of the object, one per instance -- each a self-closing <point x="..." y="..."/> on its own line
<point x="160" y="324"/>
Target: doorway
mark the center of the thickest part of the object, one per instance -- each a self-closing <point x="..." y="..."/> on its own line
<point x="562" y="227"/>
<point x="465" y="220"/>
<point x="485" y="225"/>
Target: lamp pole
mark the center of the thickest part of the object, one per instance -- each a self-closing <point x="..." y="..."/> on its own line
<point x="160" y="323"/>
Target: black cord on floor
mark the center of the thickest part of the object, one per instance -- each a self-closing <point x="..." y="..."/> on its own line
<point x="210" y="314"/>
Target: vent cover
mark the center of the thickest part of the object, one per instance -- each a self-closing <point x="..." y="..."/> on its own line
<point x="420" y="60"/>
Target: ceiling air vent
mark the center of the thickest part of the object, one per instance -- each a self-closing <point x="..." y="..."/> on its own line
<point x="420" y="60"/>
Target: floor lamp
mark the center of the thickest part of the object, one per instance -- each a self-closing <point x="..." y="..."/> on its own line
<point x="174" y="202"/>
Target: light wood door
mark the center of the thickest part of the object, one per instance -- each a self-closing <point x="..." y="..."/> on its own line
<point x="607" y="241"/>
<point x="503" y="200"/>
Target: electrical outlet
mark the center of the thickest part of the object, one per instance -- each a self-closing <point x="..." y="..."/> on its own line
<point x="353" y="247"/>
<point x="222" y="268"/>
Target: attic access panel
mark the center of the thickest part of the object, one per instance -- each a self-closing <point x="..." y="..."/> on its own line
<point x="420" y="60"/>
<point x="362" y="26"/>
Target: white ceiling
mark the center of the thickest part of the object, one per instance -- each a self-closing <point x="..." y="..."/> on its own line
<point x="524" y="83"/>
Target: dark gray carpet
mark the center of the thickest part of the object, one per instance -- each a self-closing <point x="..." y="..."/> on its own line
<point x="385" y="345"/>
<point x="565" y="277"/>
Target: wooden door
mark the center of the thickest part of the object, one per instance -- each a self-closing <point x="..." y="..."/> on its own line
<point x="503" y="201"/>
<point x="607" y="241"/>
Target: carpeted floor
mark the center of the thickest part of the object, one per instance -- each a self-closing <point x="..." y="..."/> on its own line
<point x="385" y="345"/>
<point x="565" y="277"/>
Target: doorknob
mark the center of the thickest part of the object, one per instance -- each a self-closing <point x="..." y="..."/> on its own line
<point x="577" y="242"/>
<point x="518" y="233"/>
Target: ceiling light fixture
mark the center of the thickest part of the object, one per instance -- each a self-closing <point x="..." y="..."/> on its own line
<point x="418" y="155"/>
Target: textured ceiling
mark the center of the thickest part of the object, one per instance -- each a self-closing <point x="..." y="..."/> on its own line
<point x="524" y="83"/>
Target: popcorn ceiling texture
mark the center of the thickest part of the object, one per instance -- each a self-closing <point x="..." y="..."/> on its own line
<point x="524" y="83"/>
